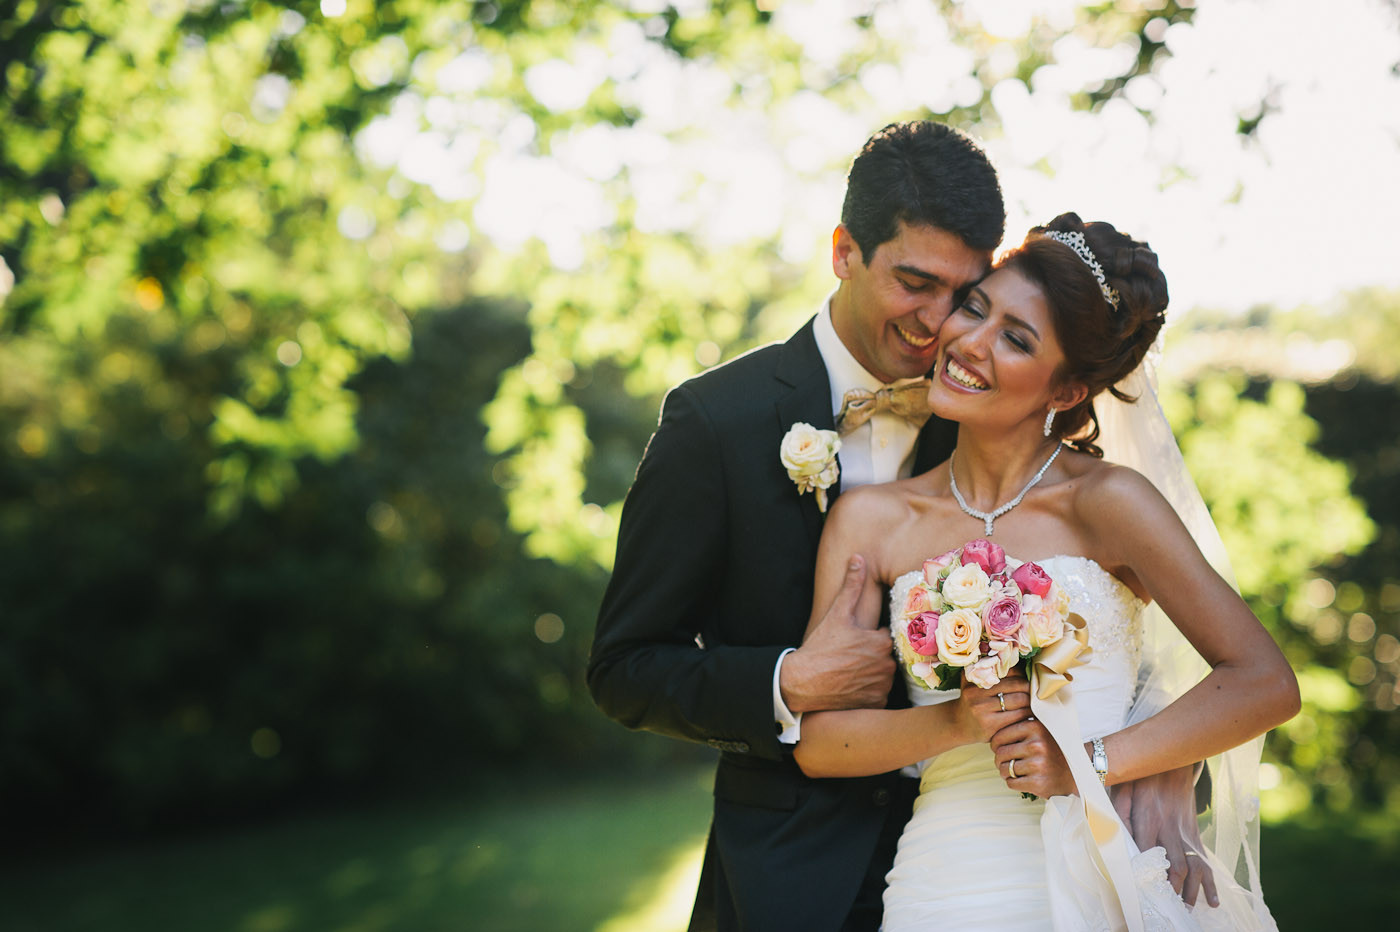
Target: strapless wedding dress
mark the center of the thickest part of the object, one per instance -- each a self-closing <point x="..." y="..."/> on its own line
<point x="973" y="856"/>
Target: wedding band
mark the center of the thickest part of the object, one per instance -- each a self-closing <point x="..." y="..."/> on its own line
<point x="1002" y="700"/>
<point x="1192" y="854"/>
<point x="1011" y="769"/>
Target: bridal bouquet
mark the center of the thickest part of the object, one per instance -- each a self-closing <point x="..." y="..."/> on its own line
<point x="975" y="613"/>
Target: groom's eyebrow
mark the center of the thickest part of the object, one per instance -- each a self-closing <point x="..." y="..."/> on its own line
<point x="920" y="273"/>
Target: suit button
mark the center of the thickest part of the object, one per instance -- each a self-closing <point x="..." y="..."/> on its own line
<point x="881" y="797"/>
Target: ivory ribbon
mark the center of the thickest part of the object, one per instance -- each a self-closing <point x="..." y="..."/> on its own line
<point x="1055" y="707"/>
<point x="1053" y="663"/>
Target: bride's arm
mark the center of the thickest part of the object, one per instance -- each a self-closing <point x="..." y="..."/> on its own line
<point x="860" y="742"/>
<point x="1250" y="688"/>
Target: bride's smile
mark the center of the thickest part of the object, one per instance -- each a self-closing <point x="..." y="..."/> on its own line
<point x="998" y="351"/>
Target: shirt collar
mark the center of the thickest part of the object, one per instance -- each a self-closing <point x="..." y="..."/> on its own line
<point x="842" y="369"/>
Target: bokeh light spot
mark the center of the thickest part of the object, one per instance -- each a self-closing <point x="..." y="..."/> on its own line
<point x="549" y="627"/>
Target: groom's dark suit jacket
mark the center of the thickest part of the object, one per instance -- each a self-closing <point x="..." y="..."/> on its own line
<point x="715" y="564"/>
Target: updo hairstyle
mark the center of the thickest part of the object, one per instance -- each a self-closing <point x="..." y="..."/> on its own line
<point x="1102" y="344"/>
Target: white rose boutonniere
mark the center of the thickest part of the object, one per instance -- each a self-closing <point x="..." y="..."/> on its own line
<point x="809" y="455"/>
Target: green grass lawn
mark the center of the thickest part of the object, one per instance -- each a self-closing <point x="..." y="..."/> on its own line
<point x="584" y="856"/>
<point x="535" y="856"/>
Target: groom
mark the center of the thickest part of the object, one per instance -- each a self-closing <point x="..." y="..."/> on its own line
<point x="712" y="586"/>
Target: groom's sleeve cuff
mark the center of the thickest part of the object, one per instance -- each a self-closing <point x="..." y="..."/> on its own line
<point x="789" y="725"/>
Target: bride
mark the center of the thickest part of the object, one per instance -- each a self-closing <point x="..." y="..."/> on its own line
<point x="1069" y="314"/>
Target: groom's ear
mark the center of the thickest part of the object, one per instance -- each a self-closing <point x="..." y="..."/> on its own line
<point x="844" y="252"/>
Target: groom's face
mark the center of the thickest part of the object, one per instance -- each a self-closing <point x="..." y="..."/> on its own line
<point x="889" y="307"/>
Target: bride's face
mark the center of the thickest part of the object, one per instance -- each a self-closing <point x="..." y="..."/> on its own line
<point x="998" y="355"/>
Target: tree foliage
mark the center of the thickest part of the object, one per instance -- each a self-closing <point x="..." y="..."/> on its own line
<point x="1302" y="480"/>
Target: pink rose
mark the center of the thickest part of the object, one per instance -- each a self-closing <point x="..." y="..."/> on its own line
<point x="1002" y="619"/>
<point x="984" y="673"/>
<point x="985" y="554"/>
<point x="1032" y="579"/>
<point x="936" y="568"/>
<point x="923" y="633"/>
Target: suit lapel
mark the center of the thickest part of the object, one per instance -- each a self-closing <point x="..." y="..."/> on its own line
<point x="935" y="443"/>
<point x="808" y="400"/>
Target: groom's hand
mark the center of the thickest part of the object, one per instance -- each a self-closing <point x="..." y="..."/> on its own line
<point x="841" y="665"/>
<point x="1161" y="810"/>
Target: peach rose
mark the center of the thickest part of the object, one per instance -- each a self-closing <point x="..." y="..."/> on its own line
<point x="937" y="568"/>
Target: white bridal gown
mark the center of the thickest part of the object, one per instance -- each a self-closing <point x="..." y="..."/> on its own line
<point x="973" y="856"/>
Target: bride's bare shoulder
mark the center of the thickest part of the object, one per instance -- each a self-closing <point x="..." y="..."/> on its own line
<point x="1106" y="490"/>
<point x="869" y="501"/>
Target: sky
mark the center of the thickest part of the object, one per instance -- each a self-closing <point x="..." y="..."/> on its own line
<point x="1298" y="212"/>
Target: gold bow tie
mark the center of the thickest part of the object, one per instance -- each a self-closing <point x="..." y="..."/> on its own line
<point x="908" y="400"/>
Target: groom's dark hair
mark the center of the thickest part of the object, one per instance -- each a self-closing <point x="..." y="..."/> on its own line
<point x="922" y="173"/>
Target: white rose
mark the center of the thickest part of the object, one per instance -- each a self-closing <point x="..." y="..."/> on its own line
<point x="807" y="452"/>
<point x="1006" y="654"/>
<point x="983" y="673"/>
<point x="967" y="587"/>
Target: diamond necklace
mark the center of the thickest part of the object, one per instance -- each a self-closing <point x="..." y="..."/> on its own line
<point x="989" y="516"/>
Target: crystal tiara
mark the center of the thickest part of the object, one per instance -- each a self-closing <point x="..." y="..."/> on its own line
<point x="1076" y="242"/>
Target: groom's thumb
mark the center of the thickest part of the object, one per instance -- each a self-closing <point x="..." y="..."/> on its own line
<point x="851" y="586"/>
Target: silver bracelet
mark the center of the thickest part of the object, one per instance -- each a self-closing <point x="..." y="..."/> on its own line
<point x="1100" y="761"/>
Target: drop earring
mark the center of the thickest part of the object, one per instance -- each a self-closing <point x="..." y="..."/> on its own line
<point x="1049" y="421"/>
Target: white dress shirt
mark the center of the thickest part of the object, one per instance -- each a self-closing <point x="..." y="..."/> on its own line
<point x="880" y="450"/>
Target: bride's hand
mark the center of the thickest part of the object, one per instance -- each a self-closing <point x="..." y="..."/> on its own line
<point x="984" y="712"/>
<point x="1030" y="761"/>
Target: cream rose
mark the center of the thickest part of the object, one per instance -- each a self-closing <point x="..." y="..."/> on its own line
<point x="807" y="452"/>
<point x="809" y="456"/>
<point x="959" y="634"/>
<point x="967" y="587"/>
<point x="1044" y="627"/>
